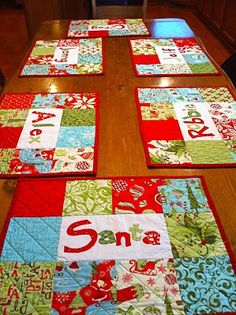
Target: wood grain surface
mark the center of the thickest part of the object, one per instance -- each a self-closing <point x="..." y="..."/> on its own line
<point x="120" y="147"/>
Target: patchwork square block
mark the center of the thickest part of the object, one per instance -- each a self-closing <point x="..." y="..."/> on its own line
<point x="49" y="133"/>
<point x="107" y="27"/>
<point x="26" y="287"/>
<point x="158" y="57"/>
<point x="187" y="127"/>
<point x="65" y="57"/>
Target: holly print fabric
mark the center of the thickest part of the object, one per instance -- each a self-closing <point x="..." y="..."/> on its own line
<point x="107" y="27"/>
<point x="65" y="57"/>
<point x="54" y="222"/>
<point x="48" y="133"/>
<point x="187" y="126"/>
<point x="170" y="56"/>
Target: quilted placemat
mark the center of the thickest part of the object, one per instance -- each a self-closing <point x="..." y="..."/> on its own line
<point x="48" y="134"/>
<point x="65" y="57"/>
<point x="170" y="56"/>
<point x="107" y="27"/>
<point x="183" y="127"/>
<point x="129" y="246"/>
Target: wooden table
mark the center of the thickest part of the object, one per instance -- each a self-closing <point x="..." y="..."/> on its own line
<point x="120" y="148"/>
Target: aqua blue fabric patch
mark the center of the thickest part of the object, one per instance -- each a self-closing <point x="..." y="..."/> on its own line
<point x="34" y="157"/>
<point x="32" y="239"/>
<point x="119" y="32"/>
<point x="184" y="195"/>
<point x="35" y="69"/>
<point x="148" y="69"/>
<point x="49" y="100"/>
<point x="75" y="137"/>
<point x="71" y="278"/>
<point x="185" y="95"/>
<point x="68" y="68"/>
<point x="195" y="58"/>
<point x="207" y="285"/>
<point x="149" y="95"/>
<point x="89" y="58"/>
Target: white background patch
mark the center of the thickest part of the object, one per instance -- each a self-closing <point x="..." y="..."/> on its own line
<point x="114" y="223"/>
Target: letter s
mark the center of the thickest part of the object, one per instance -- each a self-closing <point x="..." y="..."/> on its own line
<point x="73" y="232"/>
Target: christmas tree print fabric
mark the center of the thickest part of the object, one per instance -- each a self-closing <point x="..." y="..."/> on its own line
<point x="54" y="226"/>
<point x="170" y="56"/>
<point x="107" y="27"/>
<point x="188" y="126"/>
<point x="48" y="134"/>
<point x="65" y="57"/>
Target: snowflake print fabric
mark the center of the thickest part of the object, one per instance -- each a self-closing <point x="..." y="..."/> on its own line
<point x="188" y="127"/>
<point x="117" y="246"/>
<point x="65" y="57"/>
<point x="170" y="56"/>
<point x="107" y="27"/>
<point x="48" y="133"/>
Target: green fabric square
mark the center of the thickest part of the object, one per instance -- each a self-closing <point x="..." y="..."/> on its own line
<point x="43" y="51"/>
<point x="78" y="117"/>
<point x="194" y="235"/>
<point x="88" y="197"/>
<point x="209" y="152"/>
<point x="13" y="117"/>
<point x="205" y="67"/>
<point x="6" y="156"/>
<point x="26" y="288"/>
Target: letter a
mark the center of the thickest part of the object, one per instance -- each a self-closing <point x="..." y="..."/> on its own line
<point x="42" y="116"/>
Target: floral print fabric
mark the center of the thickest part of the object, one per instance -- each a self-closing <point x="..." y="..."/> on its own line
<point x="48" y="133"/>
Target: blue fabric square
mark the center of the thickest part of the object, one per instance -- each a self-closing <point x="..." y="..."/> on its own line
<point x="71" y="279"/>
<point x="195" y="58"/>
<point x="68" y="68"/>
<point x="89" y="58"/>
<point x="35" y="70"/>
<point x="32" y="239"/>
<point x="149" y="95"/>
<point x="49" y="100"/>
<point x="35" y="157"/>
<point x="207" y="285"/>
<point x="185" y="95"/>
<point x="75" y="137"/>
<point x="148" y="69"/>
<point x="184" y="195"/>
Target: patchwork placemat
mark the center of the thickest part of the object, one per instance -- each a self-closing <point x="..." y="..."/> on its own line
<point x="107" y="27"/>
<point x="115" y="246"/>
<point x="170" y="56"/>
<point x="65" y="57"/>
<point x="48" y="134"/>
<point x="183" y="127"/>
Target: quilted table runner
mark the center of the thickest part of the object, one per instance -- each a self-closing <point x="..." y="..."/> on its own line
<point x="65" y="57"/>
<point x="122" y="246"/>
<point x="193" y="127"/>
<point x="48" y="134"/>
<point x="107" y="27"/>
<point x="170" y="56"/>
